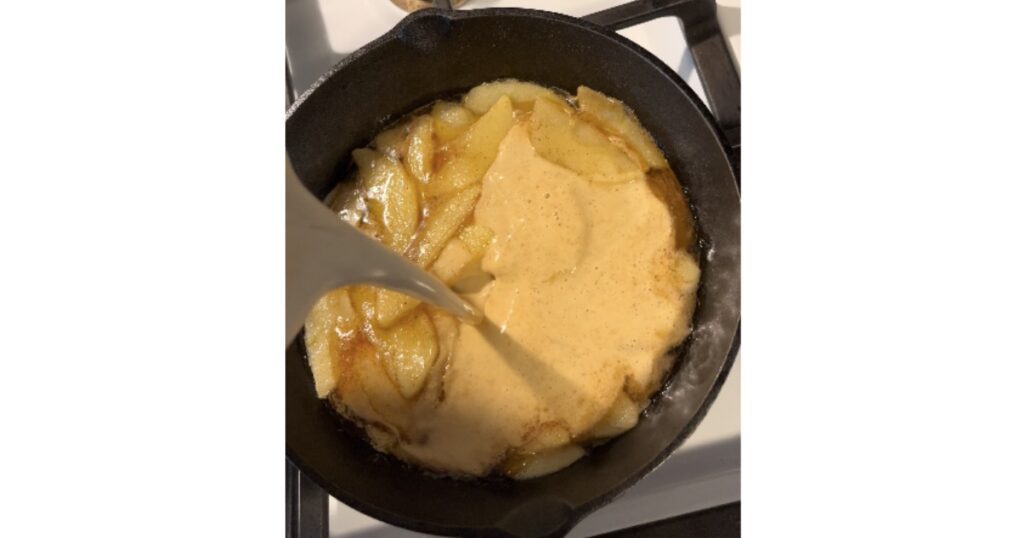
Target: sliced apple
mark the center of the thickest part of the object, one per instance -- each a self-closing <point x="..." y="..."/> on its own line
<point x="391" y="196"/>
<point x="460" y="258"/>
<point x="563" y="139"/>
<point x="331" y="327"/>
<point x="441" y="223"/>
<point x="546" y="437"/>
<point x="364" y="300"/>
<point x="689" y="271"/>
<point x="613" y="116"/>
<point x="409" y="350"/>
<point x="346" y="199"/>
<point x="455" y="257"/>
<point x="470" y="155"/>
<point x="481" y="98"/>
<point x="392" y="306"/>
<point x="447" y="328"/>
<point x="380" y="399"/>
<point x="419" y="157"/>
<point x="477" y="238"/>
<point x="393" y="142"/>
<point x="542" y="463"/>
<point x="364" y="158"/>
<point x="450" y="120"/>
<point x="383" y="439"/>
<point x="622" y="416"/>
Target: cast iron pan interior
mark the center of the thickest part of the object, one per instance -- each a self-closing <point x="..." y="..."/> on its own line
<point x="433" y="54"/>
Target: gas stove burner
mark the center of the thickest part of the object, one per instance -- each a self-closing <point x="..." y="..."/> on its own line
<point x="413" y="5"/>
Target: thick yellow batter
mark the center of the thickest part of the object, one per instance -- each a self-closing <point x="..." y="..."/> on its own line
<point x="589" y="292"/>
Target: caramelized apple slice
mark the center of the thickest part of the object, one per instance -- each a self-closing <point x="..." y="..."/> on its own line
<point x="408" y="352"/>
<point x="372" y="392"/>
<point x="622" y="416"/>
<point x="364" y="299"/>
<point x="455" y="257"/>
<point x="346" y="200"/>
<point x="394" y="141"/>
<point x="542" y="463"/>
<point x="364" y="158"/>
<point x="447" y="329"/>
<point x="419" y="157"/>
<point x="450" y="120"/>
<point x="481" y="98"/>
<point x="331" y="328"/>
<point x="461" y="256"/>
<point x="613" y="116"/>
<point x="547" y="436"/>
<point x="477" y="238"/>
<point x="442" y="222"/>
<point x="689" y="273"/>
<point x="577" y="145"/>
<point x="391" y="196"/>
<point x="471" y="154"/>
<point x="392" y="306"/>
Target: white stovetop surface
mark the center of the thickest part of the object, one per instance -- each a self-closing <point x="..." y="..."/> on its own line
<point x="705" y="471"/>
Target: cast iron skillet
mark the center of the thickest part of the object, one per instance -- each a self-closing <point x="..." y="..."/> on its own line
<point x="433" y="54"/>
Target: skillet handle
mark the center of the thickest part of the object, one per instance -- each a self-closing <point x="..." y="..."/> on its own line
<point x="707" y="45"/>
